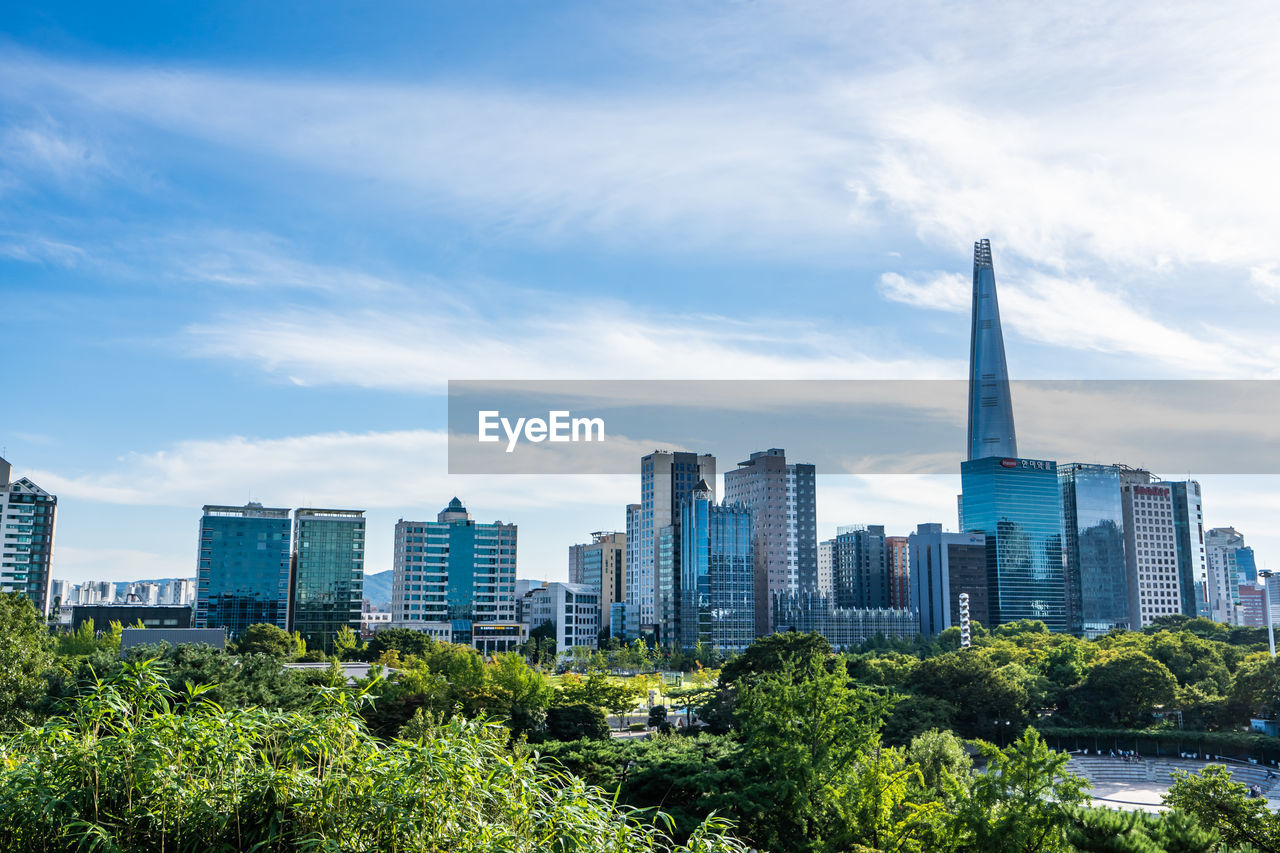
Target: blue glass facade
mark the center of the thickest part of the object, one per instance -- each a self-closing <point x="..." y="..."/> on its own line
<point x="990" y="404"/>
<point x="1246" y="566"/>
<point x="328" y="576"/>
<point x="1189" y="530"/>
<point x="242" y="568"/>
<point x="1093" y="526"/>
<point x="717" y="598"/>
<point x="1017" y="503"/>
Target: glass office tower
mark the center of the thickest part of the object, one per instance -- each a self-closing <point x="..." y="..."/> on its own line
<point x="242" y="568"/>
<point x="1093" y="527"/>
<point x="328" y="574"/>
<point x="990" y="404"/>
<point x="717" y="598"/>
<point x="1188" y="523"/>
<point x="1017" y="503"/>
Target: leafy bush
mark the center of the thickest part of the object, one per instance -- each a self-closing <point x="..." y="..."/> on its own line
<point x="134" y="765"/>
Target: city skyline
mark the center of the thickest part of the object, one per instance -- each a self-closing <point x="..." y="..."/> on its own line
<point x="245" y="258"/>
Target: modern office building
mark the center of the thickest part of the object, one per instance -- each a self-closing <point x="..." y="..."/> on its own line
<point x="242" y="568"/>
<point x="1221" y="545"/>
<point x="653" y="575"/>
<point x="898" y="557"/>
<point x="1094" y="544"/>
<point x="860" y="567"/>
<point x="453" y="574"/>
<point x="944" y="565"/>
<point x="1017" y="504"/>
<point x="1151" y="549"/>
<point x="573" y="609"/>
<point x="629" y="628"/>
<point x="718" y="583"/>
<point x="328" y="574"/>
<point x="843" y="627"/>
<point x="1246" y="565"/>
<point x="1188" y="525"/>
<point x="991" y="430"/>
<point x="602" y="564"/>
<point x="28" y="515"/>
<point x="1253" y="605"/>
<point x="782" y="501"/>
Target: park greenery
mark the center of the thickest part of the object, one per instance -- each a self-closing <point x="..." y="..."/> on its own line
<point x="792" y="747"/>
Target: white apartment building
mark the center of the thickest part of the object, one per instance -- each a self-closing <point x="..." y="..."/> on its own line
<point x="572" y="608"/>
<point x="1151" y="551"/>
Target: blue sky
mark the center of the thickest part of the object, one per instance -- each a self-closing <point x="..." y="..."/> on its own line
<point x="242" y="249"/>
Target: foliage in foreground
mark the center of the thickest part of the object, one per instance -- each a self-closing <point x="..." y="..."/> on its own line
<point x="132" y="765"/>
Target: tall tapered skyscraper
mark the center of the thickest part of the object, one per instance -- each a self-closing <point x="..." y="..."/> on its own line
<point x="990" y="406"/>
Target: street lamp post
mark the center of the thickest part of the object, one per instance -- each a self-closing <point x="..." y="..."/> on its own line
<point x="1266" y="575"/>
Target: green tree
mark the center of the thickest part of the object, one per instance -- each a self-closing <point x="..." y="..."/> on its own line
<point x="1022" y="803"/>
<point x="572" y="722"/>
<point x="347" y="644"/>
<point x="80" y="642"/>
<point x="1107" y="831"/>
<point x="26" y="652"/>
<point x="769" y="654"/>
<point x="1220" y="803"/>
<point x="803" y="729"/>
<point x="988" y="702"/>
<point x="403" y="640"/>
<point x="1124" y="689"/>
<point x="266" y="639"/>
<point x="939" y="755"/>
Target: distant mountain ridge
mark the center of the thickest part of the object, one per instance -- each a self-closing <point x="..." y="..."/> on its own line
<point x="377" y="589"/>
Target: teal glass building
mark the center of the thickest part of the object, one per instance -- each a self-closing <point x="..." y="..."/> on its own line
<point x="1017" y="503"/>
<point x="242" y="568"/>
<point x="328" y="574"/>
<point x="717" y="565"/>
<point x="1093" y="529"/>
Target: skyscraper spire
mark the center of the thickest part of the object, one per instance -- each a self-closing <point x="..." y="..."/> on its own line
<point x="990" y="406"/>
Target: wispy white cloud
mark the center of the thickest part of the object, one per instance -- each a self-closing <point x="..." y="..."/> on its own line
<point x="422" y="349"/>
<point x="1079" y="313"/>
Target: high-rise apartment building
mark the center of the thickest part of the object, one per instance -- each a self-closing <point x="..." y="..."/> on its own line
<point x="1223" y="574"/>
<point x="1094" y="544"/>
<point x="242" y="568"/>
<point x="601" y="564"/>
<point x="860" y="565"/>
<point x="896" y="552"/>
<point x="782" y="501"/>
<point x="328" y="574"/>
<point x="717" y="588"/>
<point x="1151" y="549"/>
<point x="27" y="517"/>
<point x="667" y="479"/>
<point x="944" y="565"/>
<point x="991" y="430"/>
<point x="826" y="568"/>
<point x="1017" y="503"/>
<point x="454" y="574"/>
